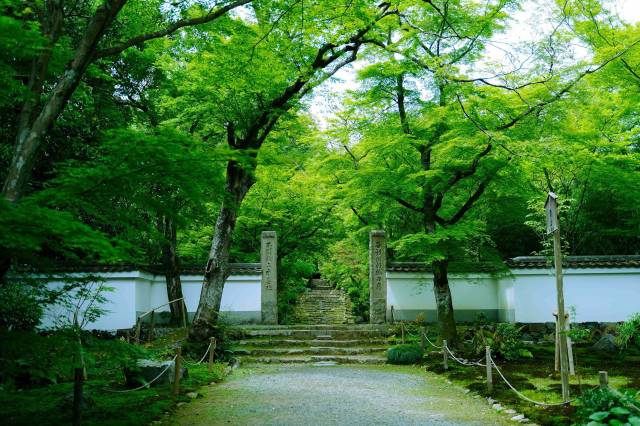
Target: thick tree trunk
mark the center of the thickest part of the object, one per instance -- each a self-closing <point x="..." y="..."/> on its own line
<point x="444" y="303"/>
<point x="238" y="183"/>
<point x="28" y="140"/>
<point x="171" y="266"/>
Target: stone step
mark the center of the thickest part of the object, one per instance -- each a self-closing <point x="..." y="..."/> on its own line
<point x="314" y="334"/>
<point x="339" y="359"/>
<point x="350" y="327"/>
<point x="311" y="350"/>
<point x="312" y="342"/>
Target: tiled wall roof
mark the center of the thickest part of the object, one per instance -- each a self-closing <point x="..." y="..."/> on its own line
<point x="536" y="262"/>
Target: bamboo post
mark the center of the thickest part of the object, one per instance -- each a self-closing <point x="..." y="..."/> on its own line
<point x="152" y="324"/>
<point x="489" y="368"/>
<point x="445" y="355"/>
<point x="212" y="349"/>
<point x="177" y="367"/>
<point x="138" y="325"/>
<point x="402" y="330"/>
<point x="603" y="377"/>
<point x="572" y="368"/>
<point x="423" y="331"/>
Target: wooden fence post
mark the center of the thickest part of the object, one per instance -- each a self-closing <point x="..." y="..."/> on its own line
<point x="402" y="330"/>
<point x="177" y="367"/>
<point x="138" y="325"/>
<point x="184" y="313"/>
<point x="78" y="380"/>
<point x="152" y="324"/>
<point x="423" y="331"/>
<point x="572" y="368"/>
<point x="557" y="345"/>
<point x="489" y="369"/>
<point x="445" y="355"/>
<point x="604" y="379"/>
<point x="212" y="349"/>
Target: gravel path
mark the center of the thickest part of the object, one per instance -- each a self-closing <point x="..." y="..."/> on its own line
<point x="335" y="395"/>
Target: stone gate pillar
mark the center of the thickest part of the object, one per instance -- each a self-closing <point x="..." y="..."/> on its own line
<point x="377" y="277"/>
<point x="269" y="262"/>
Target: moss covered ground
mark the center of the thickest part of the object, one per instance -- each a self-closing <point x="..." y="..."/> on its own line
<point x="29" y="398"/>
<point x="537" y="379"/>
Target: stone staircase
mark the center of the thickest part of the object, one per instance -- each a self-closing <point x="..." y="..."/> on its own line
<point x="322" y="304"/>
<point x="305" y="343"/>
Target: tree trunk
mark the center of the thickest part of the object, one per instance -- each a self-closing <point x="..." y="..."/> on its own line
<point x="171" y="266"/>
<point x="238" y="183"/>
<point x="444" y="302"/>
<point x="28" y="140"/>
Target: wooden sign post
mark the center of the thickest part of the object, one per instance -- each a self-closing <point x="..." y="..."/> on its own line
<point x="553" y="227"/>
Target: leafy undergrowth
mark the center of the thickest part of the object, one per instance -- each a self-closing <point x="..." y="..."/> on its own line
<point x="536" y="379"/>
<point x="31" y="393"/>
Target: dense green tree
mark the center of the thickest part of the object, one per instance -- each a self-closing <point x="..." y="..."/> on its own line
<point x="281" y="58"/>
<point x="60" y="49"/>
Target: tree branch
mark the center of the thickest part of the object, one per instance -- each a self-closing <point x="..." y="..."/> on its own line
<point x="114" y="50"/>
<point x="359" y="216"/>
<point x="469" y="203"/>
<point x="401" y="201"/>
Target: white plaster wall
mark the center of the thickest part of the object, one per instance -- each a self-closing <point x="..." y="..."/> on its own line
<point x="527" y="295"/>
<point x="506" y="299"/>
<point x="242" y="293"/>
<point x="120" y="305"/>
<point x="136" y="292"/>
<point x="597" y="294"/>
<point x="411" y="290"/>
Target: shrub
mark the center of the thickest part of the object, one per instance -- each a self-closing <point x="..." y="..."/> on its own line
<point x="404" y="354"/>
<point x="608" y="407"/>
<point x="20" y="306"/>
<point x="504" y="341"/>
<point x="29" y="359"/>
<point x="629" y="332"/>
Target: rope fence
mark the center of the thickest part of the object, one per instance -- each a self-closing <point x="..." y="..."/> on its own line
<point x="176" y="361"/>
<point x="146" y="385"/>
<point x="489" y="361"/>
<point x="203" y="356"/>
<point x="521" y="395"/>
<point x="493" y="364"/>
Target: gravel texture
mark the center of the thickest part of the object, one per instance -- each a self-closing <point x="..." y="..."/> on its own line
<point x="335" y="395"/>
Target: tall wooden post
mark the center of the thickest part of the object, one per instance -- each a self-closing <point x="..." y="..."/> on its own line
<point x="423" y="331"/>
<point x="377" y="277"/>
<point x="551" y="208"/>
<point x="78" y="381"/>
<point x="269" y="288"/>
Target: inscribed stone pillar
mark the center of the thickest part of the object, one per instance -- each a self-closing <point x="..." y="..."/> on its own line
<point x="269" y="261"/>
<point x="377" y="277"/>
